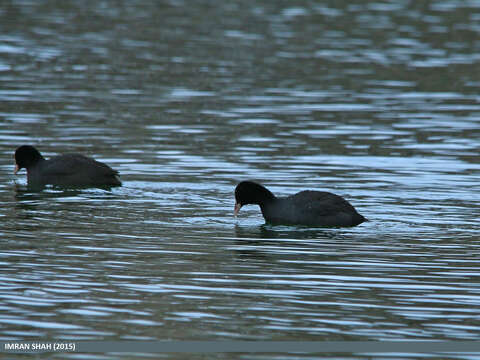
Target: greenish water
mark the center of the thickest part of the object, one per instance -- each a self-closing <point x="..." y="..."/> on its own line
<point x="374" y="101"/>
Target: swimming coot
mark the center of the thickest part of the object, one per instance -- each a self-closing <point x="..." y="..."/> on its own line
<point x="69" y="170"/>
<point x="310" y="208"/>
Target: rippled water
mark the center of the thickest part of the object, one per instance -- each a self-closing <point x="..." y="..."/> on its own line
<point x="376" y="101"/>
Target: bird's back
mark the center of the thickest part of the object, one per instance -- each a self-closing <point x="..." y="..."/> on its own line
<point x="313" y="208"/>
<point x="74" y="170"/>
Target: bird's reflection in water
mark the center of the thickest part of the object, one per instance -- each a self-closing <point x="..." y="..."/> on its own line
<point x="48" y="198"/>
<point x="268" y="232"/>
<point x="264" y="240"/>
<point x="26" y="192"/>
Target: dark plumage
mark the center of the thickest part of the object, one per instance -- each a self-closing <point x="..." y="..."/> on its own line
<point x="69" y="170"/>
<point x="310" y="208"/>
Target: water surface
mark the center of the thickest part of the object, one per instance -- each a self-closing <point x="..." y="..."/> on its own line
<point x="374" y="101"/>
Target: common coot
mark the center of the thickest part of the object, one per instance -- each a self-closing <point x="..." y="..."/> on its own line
<point x="310" y="208"/>
<point x="69" y="170"/>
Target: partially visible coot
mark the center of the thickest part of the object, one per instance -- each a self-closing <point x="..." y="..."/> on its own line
<point x="69" y="170"/>
<point x="310" y="208"/>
